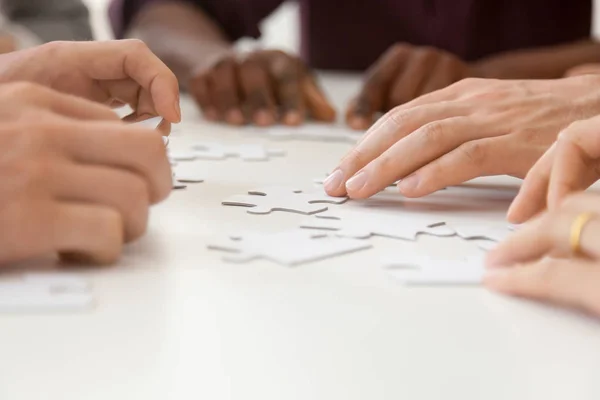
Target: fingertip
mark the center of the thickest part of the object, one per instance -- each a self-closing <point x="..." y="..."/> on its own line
<point x="211" y="114"/>
<point x="358" y="123"/>
<point x="235" y="117"/>
<point x="292" y="118"/>
<point x="264" y="118"/>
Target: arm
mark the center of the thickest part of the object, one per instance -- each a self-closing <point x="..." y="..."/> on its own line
<point x="189" y="36"/>
<point x="180" y="34"/>
<point x="543" y="63"/>
<point x="48" y="20"/>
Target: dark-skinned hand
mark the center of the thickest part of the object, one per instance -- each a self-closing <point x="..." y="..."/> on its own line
<point x="262" y="88"/>
<point x="402" y="74"/>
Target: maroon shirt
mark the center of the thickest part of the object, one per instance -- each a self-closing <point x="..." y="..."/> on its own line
<point x="352" y="34"/>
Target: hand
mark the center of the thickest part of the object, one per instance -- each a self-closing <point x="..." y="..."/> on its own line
<point x="473" y="128"/>
<point x="571" y="165"/>
<point x="7" y="43"/>
<point x="586" y="69"/>
<point x="264" y="88"/>
<point x="402" y="74"/>
<point x="519" y="266"/>
<point x="75" y="179"/>
<point x="113" y="73"/>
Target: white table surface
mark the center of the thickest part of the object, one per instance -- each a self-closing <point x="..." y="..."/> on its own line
<point x="174" y="322"/>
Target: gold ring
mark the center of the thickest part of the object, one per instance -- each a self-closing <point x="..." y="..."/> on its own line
<point x="577" y="228"/>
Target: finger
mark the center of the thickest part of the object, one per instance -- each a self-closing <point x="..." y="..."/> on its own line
<point x="287" y="76"/>
<point x="138" y="150"/>
<point x="408" y="125"/>
<point x="575" y="163"/>
<point x="549" y="234"/>
<point x="373" y="94"/>
<point x="468" y="161"/>
<point x="131" y="59"/>
<point x="533" y="193"/>
<point x="86" y="232"/>
<point x="61" y="103"/>
<point x="446" y="71"/>
<point x="199" y="89"/>
<point x="117" y="189"/>
<point x="571" y="283"/>
<point x="317" y="103"/>
<point x="224" y="91"/>
<point x="259" y="99"/>
<point x="412" y="77"/>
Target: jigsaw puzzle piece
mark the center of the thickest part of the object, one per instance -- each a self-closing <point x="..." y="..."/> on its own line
<point x="364" y="223"/>
<point x="283" y="198"/>
<point x="428" y="272"/>
<point x="289" y="248"/>
<point x="45" y="292"/>
<point x="481" y="230"/>
<point x="246" y="152"/>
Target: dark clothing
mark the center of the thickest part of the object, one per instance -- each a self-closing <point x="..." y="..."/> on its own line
<point x="352" y="34"/>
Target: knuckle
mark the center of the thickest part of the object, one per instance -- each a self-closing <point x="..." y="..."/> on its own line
<point x="399" y="48"/>
<point x="137" y="45"/>
<point x="23" y="90"/>
<point x="356" y="157"/>
<point x="545" y="282"/>
<point x="474" y="152"/>
<point x="433" y="132"/>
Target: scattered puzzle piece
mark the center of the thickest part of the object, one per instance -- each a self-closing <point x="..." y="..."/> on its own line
<point x="312" y="132"/>
<point x="481" y="230"/>
<point x="150" y="123"/>
<point x="283" y="198"/>
<point x="424" y="271"/>
<point x="45" y="292"/>
<point x="289" y="248"/>
<point x="247" y="152"/>
<point x="362" y="223"/>
<point x="181" y="155"/>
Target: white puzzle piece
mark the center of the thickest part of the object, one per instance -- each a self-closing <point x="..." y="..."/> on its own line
<point x="188" y="178"/>
<point x="46" y="292"/>
<point x="363" y="223"/>
<point x="151" y="123"/>
<point x="246" y="152"/>
<point x="424" y="271"/>
<point x="289" y="248"/>
<point x="284" y="198"/>
<point x="312" y="132"/>
<point x="181" y="156"/>
<point x="481" y="230"/>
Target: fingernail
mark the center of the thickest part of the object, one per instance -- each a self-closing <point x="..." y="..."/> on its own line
<point x="358" y="123"/>
<point x="177" y="108"/>
<point x="210" y="114"/>
<point x="409" y="184"/>
<point x="292" y="118"/>
<point x="333" y="181"/>
<point x="357" y="182"/>
<point x="234" y="117"/>
<point x="263" y="118"/>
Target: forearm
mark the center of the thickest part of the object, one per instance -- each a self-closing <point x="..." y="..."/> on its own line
<point x="543" y="63"/>
<point x="182" y="35"/>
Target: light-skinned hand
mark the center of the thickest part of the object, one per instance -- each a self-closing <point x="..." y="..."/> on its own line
<point x="473" y="128"/>
<point x="537" y="261"/>
<point x="112" y="73"/>
<point x="76" y="180"/>
<point x="571" y="165"/>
